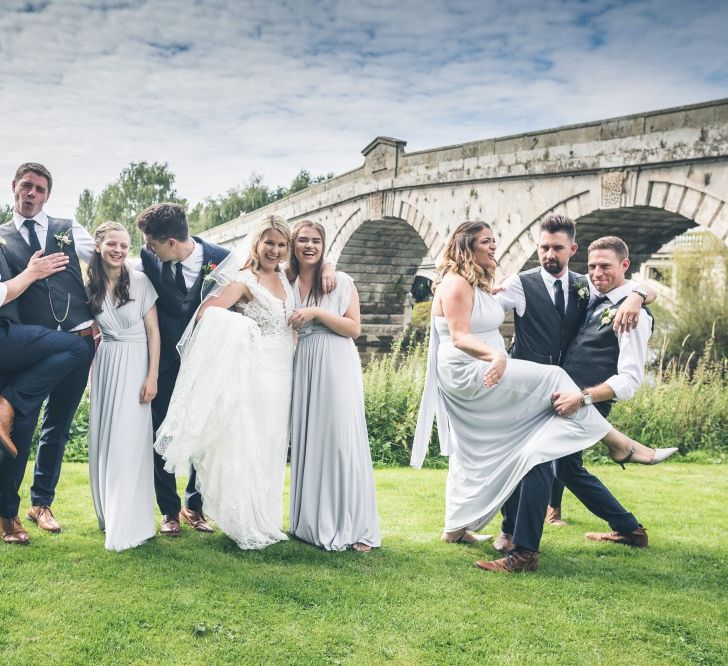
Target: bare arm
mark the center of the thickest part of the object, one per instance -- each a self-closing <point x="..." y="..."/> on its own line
<point x="348" y="324"/>
<point x="456" y="299"/>
<point x="151" y="325"/>
<point x="229" y="296"/>
<point x="39" y="268"/>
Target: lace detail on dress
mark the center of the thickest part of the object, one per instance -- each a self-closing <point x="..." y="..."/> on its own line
<point x="269" y="312"/>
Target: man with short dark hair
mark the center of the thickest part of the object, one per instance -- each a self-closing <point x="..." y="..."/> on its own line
<point x="549" y="304"/>
<point x="176" y="263"/>
<point x="57" y="303"/>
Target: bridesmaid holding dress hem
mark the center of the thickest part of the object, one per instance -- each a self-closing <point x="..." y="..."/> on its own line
<point x="123" y="384"/>
<point x="333" y="501"/>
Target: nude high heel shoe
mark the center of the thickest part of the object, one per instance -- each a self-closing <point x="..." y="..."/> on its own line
<point x="661" y="455"/>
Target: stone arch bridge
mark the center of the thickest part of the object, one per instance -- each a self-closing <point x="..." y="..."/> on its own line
<point x="646" y="177"/>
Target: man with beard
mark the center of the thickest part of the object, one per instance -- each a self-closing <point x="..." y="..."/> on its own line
<point x="549" y="303"/>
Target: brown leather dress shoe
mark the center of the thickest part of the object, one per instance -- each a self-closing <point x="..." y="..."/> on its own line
<point x="170" y="525"/>
<point x="515" y="562"/>
<point x="637" y="538"/>
<point x="553" y="517"/>
<point x="196" y="521"/>
<point x="7" y="414"/>
<point x="44" y="518"/>
<point x="503" y="543"/>
<point x="13" y="531"/>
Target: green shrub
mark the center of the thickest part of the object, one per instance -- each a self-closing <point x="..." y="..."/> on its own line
<point x="393" y="387"/>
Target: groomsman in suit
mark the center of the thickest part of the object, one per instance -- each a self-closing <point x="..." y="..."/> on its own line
<point x="56" y="303"/>
<point x="606" y="366"/>
<point x="176" y="263"/>
<point x="550" y="303"/>
<point x="33" y="360"/>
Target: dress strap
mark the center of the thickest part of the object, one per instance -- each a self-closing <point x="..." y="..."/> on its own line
<point x="432" y="407"/>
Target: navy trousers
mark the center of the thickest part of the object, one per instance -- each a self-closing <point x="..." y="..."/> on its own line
<point x="525" y="510"/>
<point x="36" y="363"/>
<point x="593" y="494"/>
<point x="165" y="484"/>
<point x="557" y="493"/>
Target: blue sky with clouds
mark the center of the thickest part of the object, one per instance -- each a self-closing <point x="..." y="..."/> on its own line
<point x="220" y="89"/>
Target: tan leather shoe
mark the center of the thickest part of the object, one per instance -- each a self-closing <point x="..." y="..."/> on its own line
<point x="196" y="521"/>
<point x="553" y="517"/>
<point x="7" y="414"/>
<point x="503" y="543"/>
<point x="515" y="562"/>
<point x="637" y="538"/>
<point x="43" y="517"/>
<point x="13" y="531"/>
<point x="170" y="525"/>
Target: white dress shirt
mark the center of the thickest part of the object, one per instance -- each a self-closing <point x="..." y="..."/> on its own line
<point x="513" y="298"/>
<point x="632" y="347"/>
<point x="83" y="242"/>
<point x="3" y="293"/>
<point x="191" y="266"/>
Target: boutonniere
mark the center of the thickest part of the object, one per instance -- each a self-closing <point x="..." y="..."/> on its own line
<point x="606" y="317"/>
<point x="207" y="269"/>
<point x="63" y="239"/>
<point x="3" y="241"/>
<point x="582" y="289"/>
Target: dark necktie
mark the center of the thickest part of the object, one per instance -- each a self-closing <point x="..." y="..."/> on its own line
<point x="593" y="307"/>
<point x="559" y="301"/>
<point x="179" y="278"/>
<point x="32" y="236"/>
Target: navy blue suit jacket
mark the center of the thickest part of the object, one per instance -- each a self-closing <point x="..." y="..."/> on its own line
<point x="173" y="319"/>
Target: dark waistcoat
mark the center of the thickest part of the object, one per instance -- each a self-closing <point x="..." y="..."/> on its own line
<point x="9" y="311"/>
<point x="59" y="300"/>
<point x="542" y="336"/>
<point x="594" y="355"/>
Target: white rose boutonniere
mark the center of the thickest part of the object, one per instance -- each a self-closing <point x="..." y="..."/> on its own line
<point x="606" y="317"/>
<point x="582" y="289"/>
<point x="63" y="239"/>
<point x="3" y="241"/>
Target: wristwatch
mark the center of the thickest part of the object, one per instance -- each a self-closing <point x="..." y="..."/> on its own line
<point x="641" y="292"/>
<point x="586" y="398"/>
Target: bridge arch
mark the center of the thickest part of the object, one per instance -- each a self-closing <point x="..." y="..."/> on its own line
<point x="383" y="256"/>
<point x="660" y="212"/>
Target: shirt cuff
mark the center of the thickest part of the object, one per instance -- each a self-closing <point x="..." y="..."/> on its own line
<point x="3" y="294"/>
<point x="621" y="387"/>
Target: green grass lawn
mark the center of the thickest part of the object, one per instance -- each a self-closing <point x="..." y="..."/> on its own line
<point x="200" y="600"/>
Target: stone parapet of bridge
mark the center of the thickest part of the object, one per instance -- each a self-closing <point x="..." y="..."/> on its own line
<point x="646" y="177"/>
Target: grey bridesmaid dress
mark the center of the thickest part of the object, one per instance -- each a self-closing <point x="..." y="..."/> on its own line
<point x="333" y="501"/>
<point x="121" y="467"/>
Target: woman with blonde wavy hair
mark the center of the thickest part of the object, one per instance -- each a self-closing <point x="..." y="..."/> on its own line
<point x="494" y="414"/>
<point x="230" y="410"/>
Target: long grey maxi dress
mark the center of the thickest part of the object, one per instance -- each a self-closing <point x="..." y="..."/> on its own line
<point x="495" y="435"/>
<point x="333" y="501"/>
<point x="121" y="466"/>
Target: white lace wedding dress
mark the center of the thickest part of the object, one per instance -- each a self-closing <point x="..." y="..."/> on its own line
<point x="229" y="414"/>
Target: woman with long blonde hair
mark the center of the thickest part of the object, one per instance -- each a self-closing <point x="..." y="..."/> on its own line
<point x="229" y="413"/>
<point x="333" y="500"/>
<point x="494" y="414"/>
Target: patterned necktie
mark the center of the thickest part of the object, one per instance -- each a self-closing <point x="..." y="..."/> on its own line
<point x="593" y="307"/>
<point x="559" y="301"/>
<point x="179" y="278"/>
<point x="32" y="236"/>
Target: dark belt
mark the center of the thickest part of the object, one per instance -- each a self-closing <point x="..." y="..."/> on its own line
<point x="84" y="332"/>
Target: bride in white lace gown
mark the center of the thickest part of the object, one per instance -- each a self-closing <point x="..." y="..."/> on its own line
<point x="229" y="414"/>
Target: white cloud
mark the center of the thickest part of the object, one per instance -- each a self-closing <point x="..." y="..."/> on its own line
<point x="223" y="89"/>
